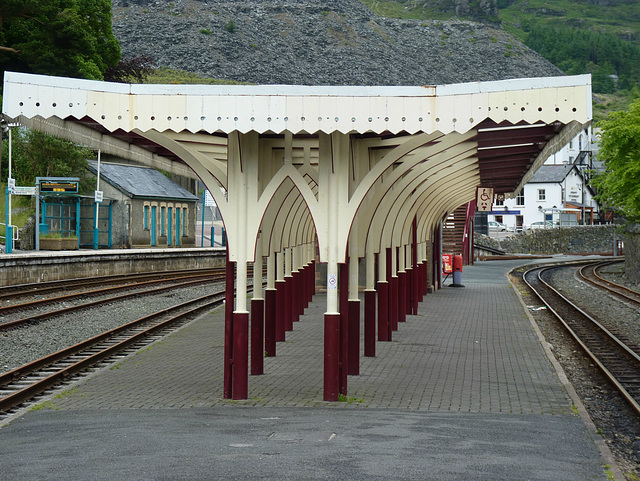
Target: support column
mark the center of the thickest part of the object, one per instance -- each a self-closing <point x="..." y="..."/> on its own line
<point x="353" y="357"/>
<point x="288" y="291"/>
<point x="415" y="279"/>
<point x="383" y="298"/>
<point x="280" y="288"/>
<point x="257" y="316"/>
<point x="393" y="290"/>
<point x="228" y="328"/>
<point x="402" y="286"/>
<point x="370" y="306"/>
<point x="241" y="336"/>
<point x="270" y="308"/>
<point x="343" y="289"/>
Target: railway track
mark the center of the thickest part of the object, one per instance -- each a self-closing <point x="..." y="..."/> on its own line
<point x="40" y="288"/>
<point x="35" y="378"/>
<point x="136" y="289"/>
<point x="590" y="274"/>
<point x="617" y="357"/>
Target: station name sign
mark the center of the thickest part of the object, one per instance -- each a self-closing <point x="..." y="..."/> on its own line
<point x="58" y="187"/>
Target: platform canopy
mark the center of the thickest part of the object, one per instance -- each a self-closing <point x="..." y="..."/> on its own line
<point x="293" y="160"/>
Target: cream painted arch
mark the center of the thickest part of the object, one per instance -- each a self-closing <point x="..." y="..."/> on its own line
<point x="392" y="235"/>
<point x="378" y="208"/>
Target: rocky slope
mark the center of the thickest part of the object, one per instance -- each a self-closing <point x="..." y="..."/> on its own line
<point x="307" y="42"/>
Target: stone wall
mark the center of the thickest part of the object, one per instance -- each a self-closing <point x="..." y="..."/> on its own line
<point x="563" y="240"/>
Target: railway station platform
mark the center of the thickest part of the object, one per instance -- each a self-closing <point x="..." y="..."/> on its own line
<point x="466" y="390"/>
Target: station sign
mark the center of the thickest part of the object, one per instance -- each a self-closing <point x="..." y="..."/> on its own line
<point x="98" y="196"/>
<point x="58" y="187"/>
<point x="484" y="199"/>
<point x="19" y="190"/>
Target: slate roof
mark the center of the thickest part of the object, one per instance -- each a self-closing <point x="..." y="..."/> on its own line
<point x="551" y="174"/>
<point x="136" y="181"/>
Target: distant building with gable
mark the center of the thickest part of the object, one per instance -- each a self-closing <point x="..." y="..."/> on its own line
<point x="147" y="208"/>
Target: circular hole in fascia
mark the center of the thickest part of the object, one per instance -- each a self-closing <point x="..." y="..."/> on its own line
<point x="268" y="119"/>
<point x="169" y="118"/>
<point x="319" y="119"/>
<point x="336" y="119"/>
<point x="420" y="119"/>
<point x="219" y="119"/>
<point x="437" y="119"/>
<point x="505" y="108"/>
<point x="37" y="104"/>
<point x="119" y="117"/>
<point x="54" y="104"/>
<point x="521" y="109"/>
<point x="235" y="119"/>
<point x="22" y="104"/>
<point x="203" y="118"/>
<point x="353" y="119"/>
<point x="557" y="109"/>
<point x="404" y="119"/>
<point x="135" y="117"/>
<point x="386" y="119"/>
<point x="286" y="119"/>
<point x="470" y="120"/>
<point x="70" y="105"/>
<point x="103" y="117"/>
<point x="253" y="119"/>
<point x="574" y="109"/>
<point x="370" y="119"/>
<point x="186" y="118"/>
<point x="539" y="109"/>
<point x="153" y="117"/>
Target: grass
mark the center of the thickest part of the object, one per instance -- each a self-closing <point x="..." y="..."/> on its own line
<point x="165" y="75"/>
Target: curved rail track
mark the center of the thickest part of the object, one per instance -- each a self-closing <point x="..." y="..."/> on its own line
<point x="590" y="274"/>
<point x="618" y="358"/>
<point x="32" y="379"/>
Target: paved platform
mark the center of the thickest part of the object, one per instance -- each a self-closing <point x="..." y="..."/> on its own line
<point x="466" y="390"/>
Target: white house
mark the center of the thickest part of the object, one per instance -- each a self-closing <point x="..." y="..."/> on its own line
<point x="558" y="191"/>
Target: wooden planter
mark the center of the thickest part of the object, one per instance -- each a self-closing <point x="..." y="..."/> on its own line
<point x="58" y="243"/>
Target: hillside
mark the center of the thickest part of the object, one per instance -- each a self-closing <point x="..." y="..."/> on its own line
<point x="330" y="42"/>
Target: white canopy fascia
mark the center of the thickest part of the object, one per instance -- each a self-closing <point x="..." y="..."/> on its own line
<point x="298" y="109"/>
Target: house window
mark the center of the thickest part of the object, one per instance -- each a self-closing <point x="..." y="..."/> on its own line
<point x="499" y="201"/>
<point x="520" y="198"/>
<point x="162" y="216"/>
<point x="146" y="216"/>
<point x="542" y="194"/>
<point x="184" y="221"/>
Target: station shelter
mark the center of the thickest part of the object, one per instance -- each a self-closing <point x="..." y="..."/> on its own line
<point x="308" y="174"/>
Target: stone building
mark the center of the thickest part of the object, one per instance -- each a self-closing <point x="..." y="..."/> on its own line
<point x="148" y="208"/>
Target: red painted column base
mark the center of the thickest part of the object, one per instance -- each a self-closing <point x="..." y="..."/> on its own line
<point x="288" y="303"/>
<point x="257" y="336"/>
<point x="331" y="357"/>
<point x="402" y="296"/>
<point x="370" y="323"/>
<point x="270" y="322"/>
<point x="353" y="357"/>
<point x="240" y="355"/>
<point x="383" y="312"/>
<point x="280" y="325"/>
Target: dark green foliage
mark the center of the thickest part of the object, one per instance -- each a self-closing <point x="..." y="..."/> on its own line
<point x="36" y="154"/>
<point x="70" y="38"/>
<point x="577" y="51"/>
<point x="619" y="186"/>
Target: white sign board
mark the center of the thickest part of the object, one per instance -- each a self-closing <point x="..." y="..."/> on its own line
<point x="332" y="282"/>
<point x="17" y="190"/>
<point x="208" y="199"/>
<point x="484" y="199"/>
<point x="98" y="195"/>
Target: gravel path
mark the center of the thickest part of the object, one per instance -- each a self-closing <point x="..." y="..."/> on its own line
<point x="617" y="422"/>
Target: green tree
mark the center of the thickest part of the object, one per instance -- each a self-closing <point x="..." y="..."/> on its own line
<point x="36" y="154"/>
<point x="619" y="186"/>
<point x="71" y="38"/>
